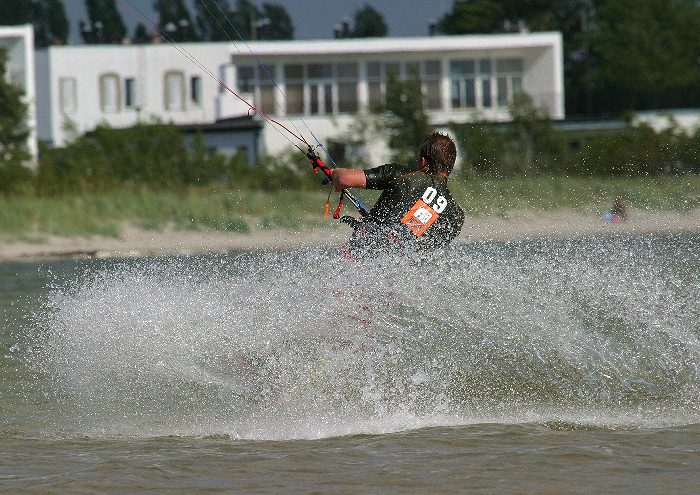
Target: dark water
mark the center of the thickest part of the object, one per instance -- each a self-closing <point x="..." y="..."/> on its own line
<point x="529" y="367"/>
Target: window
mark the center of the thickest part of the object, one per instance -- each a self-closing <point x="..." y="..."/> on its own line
<point x="320" y="88"/>
<point x="196" y="90"/>
<point x="463" y="89"/>
<point x="245" y="79"/>
<point x="374" y="82"/>
<point x="109" y="93"/>
<point x="485" y="75"/>
<point x="347" y="76"/>
<point x="129" y="92"/>
<point x="174" y="91"/>
<point x="432" y="74"/>
<point x="294" y="81"/>
<point x="68" y="95"/>
<point x="266" y="98"/>
<point x="509" y="80"/>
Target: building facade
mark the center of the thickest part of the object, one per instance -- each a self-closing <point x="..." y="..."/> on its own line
<point x="19" y="43"/>
<point x="321" y="88"/>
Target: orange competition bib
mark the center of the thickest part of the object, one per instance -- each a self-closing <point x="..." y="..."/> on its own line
<point x="419" y="217"/>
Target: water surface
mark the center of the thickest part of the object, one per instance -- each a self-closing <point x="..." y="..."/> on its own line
<point x="536" y="366"/>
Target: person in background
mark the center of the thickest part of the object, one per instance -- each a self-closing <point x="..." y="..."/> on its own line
<point x="617" y="213"/>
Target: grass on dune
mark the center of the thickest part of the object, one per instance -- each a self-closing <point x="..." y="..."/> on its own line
<point x="221" y="209"/>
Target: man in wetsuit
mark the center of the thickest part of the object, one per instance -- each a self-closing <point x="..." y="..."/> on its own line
<point x="415" y="211"/>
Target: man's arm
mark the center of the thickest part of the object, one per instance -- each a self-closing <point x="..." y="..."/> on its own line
<point x="344" y="178"/>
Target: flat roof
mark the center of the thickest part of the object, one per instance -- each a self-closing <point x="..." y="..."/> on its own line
<point x="398" y="45"/>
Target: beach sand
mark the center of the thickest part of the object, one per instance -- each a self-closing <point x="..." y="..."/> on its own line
<point x="515" y="225"/>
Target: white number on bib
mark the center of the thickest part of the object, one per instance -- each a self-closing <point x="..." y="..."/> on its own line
<point x="429" y="196"/>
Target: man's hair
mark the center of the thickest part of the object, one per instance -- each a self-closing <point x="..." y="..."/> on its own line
<point x="440" y="152"/>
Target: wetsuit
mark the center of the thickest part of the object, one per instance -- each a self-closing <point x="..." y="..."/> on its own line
<point x="415" y="212"/>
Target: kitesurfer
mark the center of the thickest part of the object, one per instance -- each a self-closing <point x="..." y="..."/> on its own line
<point x="415" y="211"/>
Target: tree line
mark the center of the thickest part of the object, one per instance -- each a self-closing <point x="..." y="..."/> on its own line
<point x="212" y="20"/>
<point x="619" y="55"/>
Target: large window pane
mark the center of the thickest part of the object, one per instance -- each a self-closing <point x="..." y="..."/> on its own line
<point x="295" y="98"/>
<point x="68" y="95"/>
<point x="456" y="93"/>
<point x="347" y="71"/>
<point x="486" y="93"/>
<point x="375" y="95"/>
<point x="196" y="90"/>
<point x="470" y="93"/>
<point x="509" y="65"/>
<point x="433" y="99"/>
<point x="517" y="83"/>
<point x="245" y="79"/>
<point x="433" y="68"/>
<point x="109" y="93"/>
<point x="347" y="97"/>
<point x="462" y="67"/>
<point x="374" y="70"/>
<point x="174" y="91"/>
<point x="502" y="91"/>
<point x="320" y="71"/>
<point x="294" y="72"/>
<point x="267" y="98"/>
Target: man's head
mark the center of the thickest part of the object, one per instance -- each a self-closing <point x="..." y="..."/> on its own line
<point x="439" y="152"/>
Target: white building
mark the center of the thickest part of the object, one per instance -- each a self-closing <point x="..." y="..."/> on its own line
<point x="318" y="86"/>
<point x="19" y="43"/>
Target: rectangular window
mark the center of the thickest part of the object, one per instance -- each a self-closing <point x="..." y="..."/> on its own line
<point x="502" y="91"/>
<point x="509" y="80"/>
<point x="245" y="79"/>
<point x="486" y="93"/>
<point x="374" y="84"/>
<point x="347" y="79"/>
<point x="109" y="93"/>
<point x="294" y="83"/>
<point x="432" y="88"/>
<point x="294" y="72"/>
<point x="462" y="74"/>
<point x="68" y="95"/>
<point x="320" y="71"/>
<point x="266" y="87"/>
<point x="347" y="97"/>
<point x="347" y="71"/>
<point x="196" y="90"/>
<point x="295" y="98"/>
<point x="374" y="71"/>
<point x="129" y="92"/>
<point x="174" y="91"/>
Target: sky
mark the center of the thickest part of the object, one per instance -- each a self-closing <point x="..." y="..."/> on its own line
<point x="312" y="19"/>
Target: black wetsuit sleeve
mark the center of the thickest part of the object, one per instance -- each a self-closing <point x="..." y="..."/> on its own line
<point x="381" y="177"/>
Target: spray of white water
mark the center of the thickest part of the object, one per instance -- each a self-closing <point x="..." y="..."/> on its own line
<point x="306" y="345"/>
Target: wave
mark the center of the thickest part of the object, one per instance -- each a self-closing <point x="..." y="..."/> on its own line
<point x="305" y="345"/>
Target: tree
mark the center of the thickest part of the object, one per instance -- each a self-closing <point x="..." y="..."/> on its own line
<point x="646" y="54"/>
<point x="279" y="24"/>
<point x="270" y="23"/>
<point x="15" y="12"/>
<point x="14" y="132"/>
<point x="404" y="117"/>
<point x="175" y="21"/>
<point x="212" y="20"/>
<point x="141" y="35"/>
<point x="48" y="17"/>
<point x="472" y="16"/>
<point x="105" y="24"/>
<point x="57" y="21"/>
<point x="369" y="23"/>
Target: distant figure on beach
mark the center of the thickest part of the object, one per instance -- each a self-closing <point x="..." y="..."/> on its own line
<point x="617" y="213"/>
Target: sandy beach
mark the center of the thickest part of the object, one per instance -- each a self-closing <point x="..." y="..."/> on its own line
<point x="516" y="225"/>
